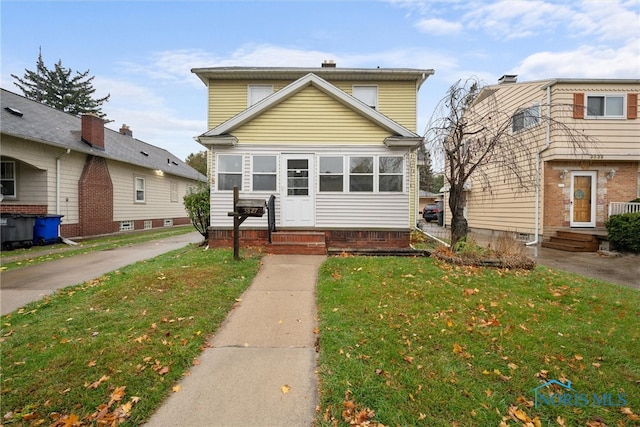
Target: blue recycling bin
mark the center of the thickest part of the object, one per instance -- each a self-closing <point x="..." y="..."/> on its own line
<point x="45" y="230"/>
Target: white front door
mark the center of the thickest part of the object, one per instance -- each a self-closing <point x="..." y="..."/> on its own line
<point x="297" y="192"/>
<point x="583" y="199"/>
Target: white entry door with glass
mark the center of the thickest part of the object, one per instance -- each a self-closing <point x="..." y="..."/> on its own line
<point x="297" y="192"/>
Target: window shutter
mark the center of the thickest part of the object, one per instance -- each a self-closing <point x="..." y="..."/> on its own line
<point x="578" y="105"/>
<point x="632" y="106"/>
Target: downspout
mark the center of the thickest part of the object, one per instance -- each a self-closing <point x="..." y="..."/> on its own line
<point x="58" y="180"/>
<point x="536" y="214"/>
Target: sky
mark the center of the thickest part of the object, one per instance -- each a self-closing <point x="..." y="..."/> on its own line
<point x="142" y="52"/>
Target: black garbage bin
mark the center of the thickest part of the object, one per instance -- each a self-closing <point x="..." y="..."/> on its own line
<point x="440" y="218"/>
<point x="17" y="230"/>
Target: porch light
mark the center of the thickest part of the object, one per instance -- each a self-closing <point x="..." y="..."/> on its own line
<point x="564" y="174"/>
<point x="611" y="174"/>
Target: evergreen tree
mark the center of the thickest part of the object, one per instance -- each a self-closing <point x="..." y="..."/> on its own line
<point x="61" y="90"/>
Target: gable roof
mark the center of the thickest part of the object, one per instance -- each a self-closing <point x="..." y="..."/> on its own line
<point x="46" y="125"/>
<point x="220" y="134"/>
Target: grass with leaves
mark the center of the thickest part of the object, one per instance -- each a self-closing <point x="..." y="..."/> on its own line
<point x="110" y="350"/>
<point x="415" y="341"/>
<point x="38" y="254"/>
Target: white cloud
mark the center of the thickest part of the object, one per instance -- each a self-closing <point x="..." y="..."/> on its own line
<point x="517" y="19"/>
<point x="438" y="26"/>
<point x="610" y="20"/>
<point x="585" y="62"/>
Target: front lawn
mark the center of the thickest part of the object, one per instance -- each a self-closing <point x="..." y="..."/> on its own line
<point x="414" y="341"/>
<point x="110" y="350"/>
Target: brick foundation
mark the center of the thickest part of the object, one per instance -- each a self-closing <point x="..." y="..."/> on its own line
<point x="24" y="209"/>
<point x="340" y="239"/>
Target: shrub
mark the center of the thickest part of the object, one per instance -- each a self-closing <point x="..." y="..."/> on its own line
<point x="197" y="204"/>
<point x="624" y="231"/>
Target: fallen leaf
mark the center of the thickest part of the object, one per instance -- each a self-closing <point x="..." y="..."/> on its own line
<point x="408" y="359"/>
<point x="96" y="384"/>
<point x="561" y="421"/>
<point x="457" y="348"/>
<point x="176" y="388"/>
<point x="285" y="389"/>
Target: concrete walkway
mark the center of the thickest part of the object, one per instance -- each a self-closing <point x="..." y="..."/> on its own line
<point x="260" y="367"/>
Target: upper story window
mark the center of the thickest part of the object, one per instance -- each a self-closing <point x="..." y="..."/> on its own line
<point x="140" y="190"/>
<point x="366" y="94"/>
<point x="390" y="170"/>
<point x="229" y="171"/>
<point x="257" y="93"/>
<point x="525" y="118"/>
<point x="610" y="106"/>
<point x="264" y="173"/>
<point x="8" y="179"/>
<point x="331" y="173"/>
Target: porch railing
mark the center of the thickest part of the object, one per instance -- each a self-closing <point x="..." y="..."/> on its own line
<point x="271" y="215"/>
<point x="617" y="208"/>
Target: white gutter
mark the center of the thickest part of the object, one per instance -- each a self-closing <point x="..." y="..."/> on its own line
<point x="58" y="180"/>
<point x="536" y="215"/>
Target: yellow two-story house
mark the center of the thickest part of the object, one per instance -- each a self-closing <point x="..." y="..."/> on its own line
<point x="335" y="147"/>
<point x="582" y="160"/>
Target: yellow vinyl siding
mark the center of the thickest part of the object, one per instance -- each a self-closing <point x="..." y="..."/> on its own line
<point x="228" y="98"/>
<point x="308" y="117"/>
<point x="396" y="100"/>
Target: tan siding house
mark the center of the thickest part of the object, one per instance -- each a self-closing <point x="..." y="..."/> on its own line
<point x="99" y="180"/>
<point x="334" y="147"/>
<point x="577" y="185"/>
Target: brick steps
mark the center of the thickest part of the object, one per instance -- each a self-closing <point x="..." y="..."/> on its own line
<point x="297" y="243"/>
<point x="572" y="242"/>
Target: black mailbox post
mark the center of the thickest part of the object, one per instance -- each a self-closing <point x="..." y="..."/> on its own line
<point x="242" y="209"/>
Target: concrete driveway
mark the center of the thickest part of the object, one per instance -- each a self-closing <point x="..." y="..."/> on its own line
<point x="24" y="285"/>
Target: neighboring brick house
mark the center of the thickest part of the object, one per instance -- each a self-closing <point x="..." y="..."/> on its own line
<point x="100" y="180"/>
<point x="577" y="186"/>
<point x="335" y="146"/>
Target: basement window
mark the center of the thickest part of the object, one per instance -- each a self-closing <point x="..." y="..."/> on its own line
<point x="168" y="222"/>
<point x="126" y="225"/>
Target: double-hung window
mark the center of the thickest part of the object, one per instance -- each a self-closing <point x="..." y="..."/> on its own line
<point x="366" y="94"/>
<point x="229" y="172"/>
<point x="525" y="118"/>
<point x="331" y="173"/>
<point x="605" y="106"/>
<point x="360" y="174"/>
<point x="8" y="179"/>
<point x="390" y="173"/>
<point x="264" y="173"/>
<point x="140" y="190"/>
<point x="257" y="93"/>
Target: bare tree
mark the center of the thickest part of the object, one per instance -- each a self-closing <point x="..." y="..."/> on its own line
<point x="479" y="140"/>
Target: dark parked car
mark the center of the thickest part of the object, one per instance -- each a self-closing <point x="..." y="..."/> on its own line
<point x="430" y="212"/>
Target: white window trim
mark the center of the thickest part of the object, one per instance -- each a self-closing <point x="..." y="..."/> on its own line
<point x="218" y="171"/>
<point x="276" y="173"/>
<point x="13" y="196"/>
<point x="401" y="174"/>
<point x="524" y="111"/>
<point x="250" y="100"/>
<point x="353" y="91"/>
<point x="605" y="95"/>
<point x="344" y="173"/>
<point x="135" y="189"/>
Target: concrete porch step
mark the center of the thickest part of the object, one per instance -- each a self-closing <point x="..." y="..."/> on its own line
<point x="297" y="242"/>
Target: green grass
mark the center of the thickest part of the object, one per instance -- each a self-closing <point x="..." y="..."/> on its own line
<point x="38" y="254"/>
<point x="420" y="342"/>
<point x="141" y="328"/>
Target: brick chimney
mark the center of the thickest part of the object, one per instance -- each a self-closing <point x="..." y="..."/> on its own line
<point x="125" y="130"/>
<point x="93" y="131"/>
<point x="328" y="64"/>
